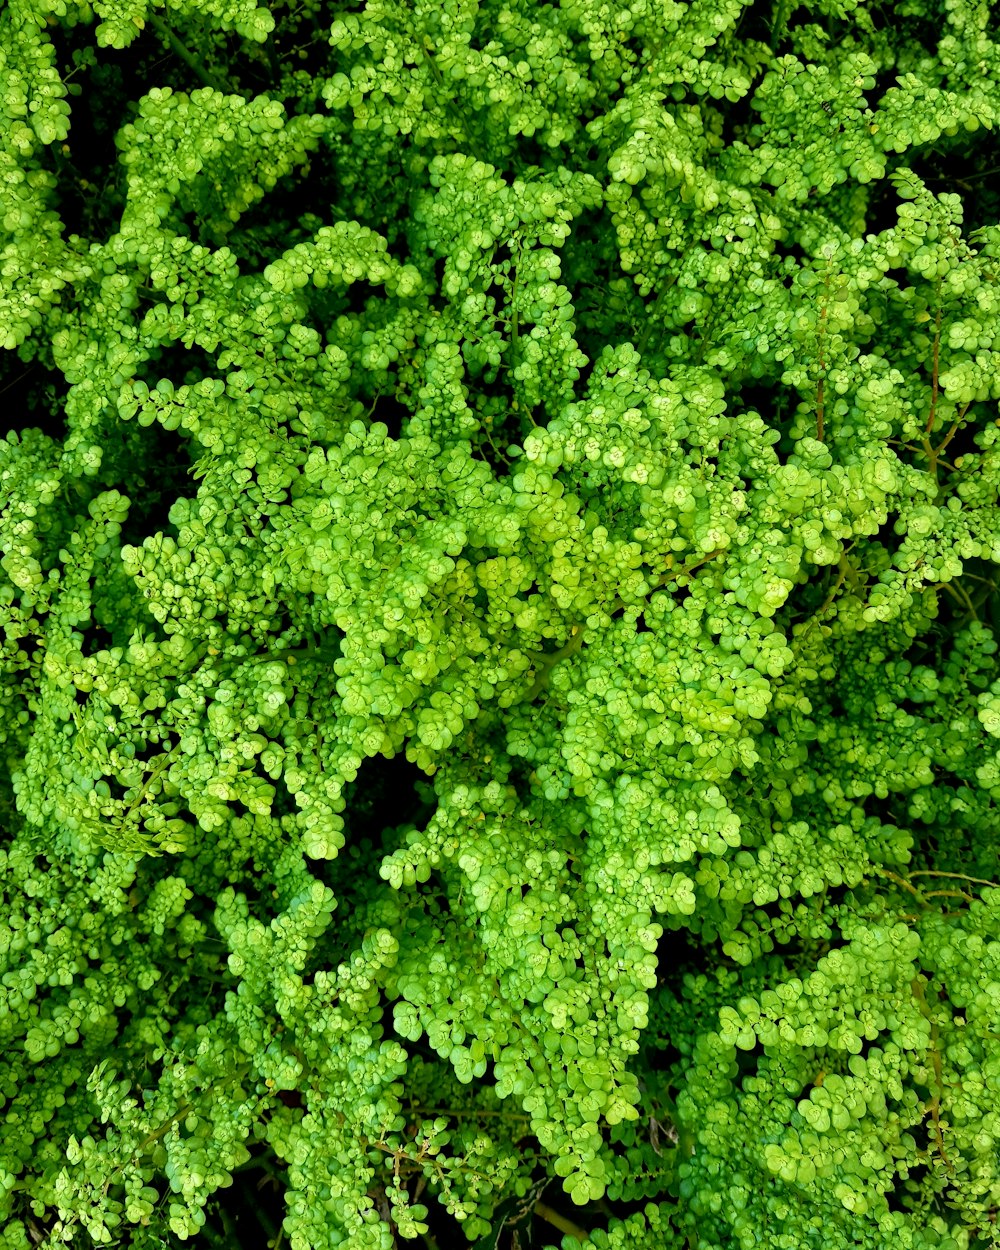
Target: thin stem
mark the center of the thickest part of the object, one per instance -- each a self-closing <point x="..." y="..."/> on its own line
<point x="565" y="1226"/>
<point x="164" y="1128"/>
<point x="954" y="429"/>
<point x="820" y="336"/>
<point x="472" y="1115"/>
<point x="934" y="1106"/>
<point x="546" y="662"/>
<point x="688" y="569"/>
<point x="513" y="300"/>
<point x="263" y="1219"/>
<point x="961" y="595"/>
<point x="936" y="360"/>
<point x="196" y="68"/>
<point x="958" y="876"/>
<point x="20" y="378"/>
<point x="949" y="894"/>
<point x="901" y="881"/>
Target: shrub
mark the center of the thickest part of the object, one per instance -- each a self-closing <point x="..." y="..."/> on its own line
<point x="497" y="543"/>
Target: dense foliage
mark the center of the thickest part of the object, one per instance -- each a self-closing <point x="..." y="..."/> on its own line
<point x="498" y="539"/>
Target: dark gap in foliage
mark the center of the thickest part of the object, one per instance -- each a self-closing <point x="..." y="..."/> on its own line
<point x="792" y="252"/>
<point x="746" y="1063"/>
<point x="756" y="24"/>
<point x="226" y="861"/>
<point x="738" y="120"/>
<point x="337" y="188"/>
<point x="388" y="795"/>
<point x="973" y="596"/>
<point x="604" y="313"/>
<point x="98" y="639"/>
<point x="531" y="157"/>
<point x="805" y="599"/>
<point x="91" y="182"/>
<point x="161" y="474"/>
<point x="249" y="1212"/>
<point x="91" y="189"/>
<point x="892" y="812"/>
<point x="901" y="1196"/>
<point x="266" y="630"/>
<point x="678" y="952"/>
<point x="582" y="384"/>
<point x="283" y="803"/>
<point x="773" y="402"/>
<point x="967" y="168"/>
<point x="179" y="364"/>
<point x="90" y="207"/>
<point x="158" y="63"/>
<point x="392" y="412"/>
<point x="919" y="31"/>
<point x="796" y="950"/>
<point x="291" y="48"/>
<point x="289" y="213"/>
<point x="961" y="438"/>
<point x="360" y="294"/>
<point x="32" y="396"/>
<point x="307" y="198"/>
<point x="248" y="882"/>
<point x="884" y="79"/>
<point x="325" y="306"/>
<point x="659" y="1052"/>
<point x="868" y="1044"/>
<point x="252" y="68"/>
<point x="640" y="623"/>
<point x="992" y="29"/>
<point x="955" y="849"/>
<point x="313" y="60"/>
<point x="124" y="1017"/>
<point x="385" y="794"/>
<point x="885" y="536"/>
<point x="882" y="212"/>
<point x="115" y="788"/>
<point x="499" y="426"/>
<point x="497" y="296"/>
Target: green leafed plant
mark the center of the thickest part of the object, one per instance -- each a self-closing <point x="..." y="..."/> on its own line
<point x="498" y="540"/>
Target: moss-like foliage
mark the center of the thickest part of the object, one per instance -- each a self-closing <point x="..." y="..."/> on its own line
<point x="499" y="516"/>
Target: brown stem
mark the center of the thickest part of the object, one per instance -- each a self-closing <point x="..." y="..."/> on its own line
<point x="934" y="1106"/>
<point x="954" y="428"/>
<point x="821" y="384"/>
<point x="950" y="894"/>
<point x="958" y="876"/>
<point x="936" y="360"/>
<point x="933" y="452"/>
<point x="513" y="301"/>
<point x="901" y="881"/>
